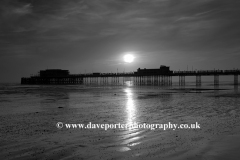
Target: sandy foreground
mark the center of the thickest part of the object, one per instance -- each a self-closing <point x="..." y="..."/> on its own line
<point x="33" y="135"/>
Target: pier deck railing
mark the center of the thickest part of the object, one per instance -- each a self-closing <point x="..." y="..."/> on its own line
<point x="174" y="73"/>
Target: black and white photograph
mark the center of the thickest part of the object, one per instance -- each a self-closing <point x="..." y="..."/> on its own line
<point x="119" y="80"/>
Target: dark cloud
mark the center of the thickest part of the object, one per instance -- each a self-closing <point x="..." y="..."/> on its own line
<point x="70" y="32"/>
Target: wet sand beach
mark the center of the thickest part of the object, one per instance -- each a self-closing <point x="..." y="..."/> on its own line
<point x="29" y="115"/>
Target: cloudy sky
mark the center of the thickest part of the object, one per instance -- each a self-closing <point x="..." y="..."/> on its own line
<point x="93" y="35"/>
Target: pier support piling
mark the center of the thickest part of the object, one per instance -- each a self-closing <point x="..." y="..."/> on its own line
<point x="198" y="80"/>
<point x="235" y="79"/>
<point x="181" y="80"/>
<point x="216" y="79"/>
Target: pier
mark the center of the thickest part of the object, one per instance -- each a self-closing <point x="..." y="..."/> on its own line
<point x="161" y="76"/>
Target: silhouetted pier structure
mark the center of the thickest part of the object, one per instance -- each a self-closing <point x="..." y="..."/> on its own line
<point x="161" y="76"/>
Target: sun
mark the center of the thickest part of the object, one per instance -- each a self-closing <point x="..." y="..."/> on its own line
<point x="128" y="58"/>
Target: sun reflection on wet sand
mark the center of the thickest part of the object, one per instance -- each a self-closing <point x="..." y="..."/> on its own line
<point x="130" y="137"/>
<point x="130" y="107"/>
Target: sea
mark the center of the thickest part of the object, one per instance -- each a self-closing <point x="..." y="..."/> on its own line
<point x="33" y="121"/>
